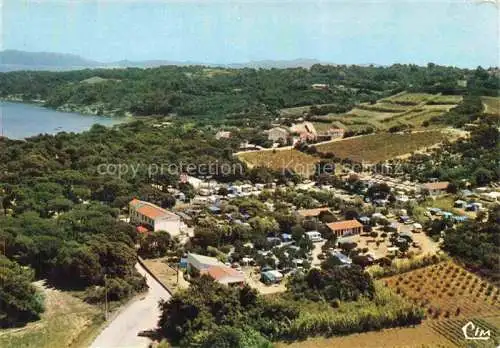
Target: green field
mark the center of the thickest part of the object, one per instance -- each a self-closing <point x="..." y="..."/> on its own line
<point x="491" y="105"/>
<point x="409" y="98"/>
<point x="66" y="322"/>
<point x="403" y="109"/>
<point x="380" y="147"/>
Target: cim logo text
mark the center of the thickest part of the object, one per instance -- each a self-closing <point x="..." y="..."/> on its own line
<point x="474" y="332"/>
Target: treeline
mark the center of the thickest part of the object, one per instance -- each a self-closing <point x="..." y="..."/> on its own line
<point x="473" y="160"/>
<point x="235" y="94"/>
<point x="477" y="244"/>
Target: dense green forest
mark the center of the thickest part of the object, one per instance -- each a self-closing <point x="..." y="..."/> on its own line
<point x="477" y="244"/>
<point x="59" y="213"/>
<point x="238" y="95"/>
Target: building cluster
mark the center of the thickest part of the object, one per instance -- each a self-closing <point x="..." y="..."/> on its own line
<point x="380" y="212"/>
<point x="302" y="132"/>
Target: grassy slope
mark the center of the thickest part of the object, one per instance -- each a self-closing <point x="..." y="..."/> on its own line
<point x="281" y="159"/>
<point x="492" y="105"/>
<point x="66" y="322"/>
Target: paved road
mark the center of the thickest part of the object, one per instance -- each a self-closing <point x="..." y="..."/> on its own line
<point x="140" y="315"/>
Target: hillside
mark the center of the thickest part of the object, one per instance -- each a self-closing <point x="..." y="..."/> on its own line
<point x="237" y="96"/>
<point x="12" y="60"/>
<point x="15" y="60"/>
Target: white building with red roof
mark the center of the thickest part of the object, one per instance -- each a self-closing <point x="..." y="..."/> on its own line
<point x="345" y="228"/>
<point x="215" y="269"/>
<point x="150" y="215"/>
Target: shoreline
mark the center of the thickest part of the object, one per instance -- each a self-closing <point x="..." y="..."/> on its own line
<point x="83" y="111"/>
<point x="60" y="125"/>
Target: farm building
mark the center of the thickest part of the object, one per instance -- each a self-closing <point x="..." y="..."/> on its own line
<point x="151" y="215"/>
<point x="201" y="262"/>
<point x="345" y="228"/>
<point x="278" y="134"/>
<point x="436" y="188"/>
<point x="305" y="130"/>
<point x="225" y="275"/>
<point x="214" y="268"/>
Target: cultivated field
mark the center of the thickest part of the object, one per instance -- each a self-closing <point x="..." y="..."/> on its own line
<point x="410" y="109"/>
<point x="280" y="160"/>
<point x="451" y="329"/>
<point x="379" y="147"/>
<point x="491" y="105"/>
<point x="407" y="337"/>
<point x="66" y="322"/>
<point x="436" y="334"/>
<point x="446" y="291"/>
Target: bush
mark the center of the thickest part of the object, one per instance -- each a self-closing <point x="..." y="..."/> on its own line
<point x="231" y="337"/>
<point x="19" y="300"/>
<point x="384" y="311"/>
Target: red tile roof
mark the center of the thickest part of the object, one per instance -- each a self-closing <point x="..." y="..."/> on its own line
<point x="221" y="272"/>
<point x="343" y="225"/>
<point x="150" y="210"/>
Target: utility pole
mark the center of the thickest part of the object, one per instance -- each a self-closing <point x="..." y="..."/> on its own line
<point x="105" y="297"/>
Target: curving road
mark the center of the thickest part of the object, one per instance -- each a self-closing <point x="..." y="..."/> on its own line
<point x="142" y="314"/>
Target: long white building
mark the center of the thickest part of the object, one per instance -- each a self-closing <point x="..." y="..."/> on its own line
<point x="155" y="217"/>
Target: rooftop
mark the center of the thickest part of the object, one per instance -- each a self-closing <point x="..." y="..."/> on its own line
<point x="220" y="273"/>
<point x="346" y="224"/>
<point x="206" y="260"/>
<point x="151" y="210"/>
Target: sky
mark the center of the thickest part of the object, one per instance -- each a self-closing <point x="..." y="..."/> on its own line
<point x="463" y="33"/>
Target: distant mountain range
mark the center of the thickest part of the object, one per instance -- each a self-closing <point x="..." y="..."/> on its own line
<point x="14" y="60"/>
